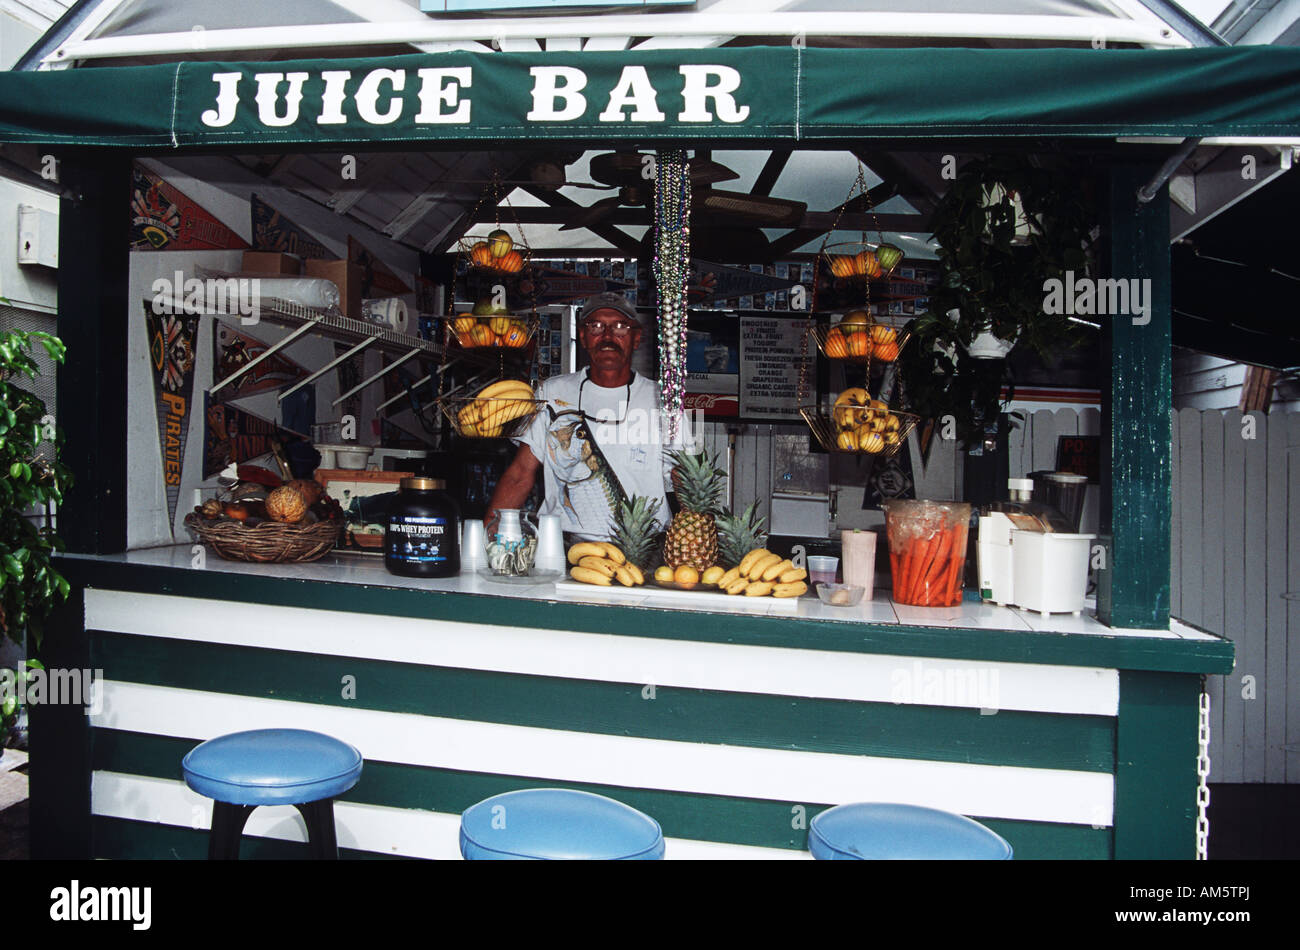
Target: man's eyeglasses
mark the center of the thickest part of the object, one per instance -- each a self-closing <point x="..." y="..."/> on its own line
<point x="617" y="327"/>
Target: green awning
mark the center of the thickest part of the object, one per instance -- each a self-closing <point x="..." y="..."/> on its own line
<point x="731" y="95"/>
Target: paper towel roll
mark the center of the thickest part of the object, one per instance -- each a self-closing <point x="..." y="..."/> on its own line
<point x="390" y="311"/>
<point x="305" y="291"/>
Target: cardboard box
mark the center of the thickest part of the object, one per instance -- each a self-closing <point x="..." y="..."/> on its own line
<point x="271" y="262"/>
<point x="346" y="274"/>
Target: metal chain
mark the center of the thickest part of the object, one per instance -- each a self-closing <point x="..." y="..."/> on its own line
<point x="1203" y="774"/>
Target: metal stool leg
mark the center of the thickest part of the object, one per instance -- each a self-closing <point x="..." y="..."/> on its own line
<point x="321" y="839"/>
<point x="227" y="829"/>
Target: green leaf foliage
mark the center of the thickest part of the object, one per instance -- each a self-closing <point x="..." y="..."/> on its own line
<point x="31" y="476"/>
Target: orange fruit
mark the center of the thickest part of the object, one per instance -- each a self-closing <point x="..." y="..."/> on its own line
<point x="866" y="263"/>
<point x="464" y="324"/>
<point x="859" y="343"/>
<point x="516" y="336"/>
<point x="511" y="263"/>
<point x="882" y="334"/>
<point x="686" y="576"/>
<point x="481" y="254"/>
<point x="885" y="352"/>
<point x="836" y="347"/>
<point x="481" y="335"/>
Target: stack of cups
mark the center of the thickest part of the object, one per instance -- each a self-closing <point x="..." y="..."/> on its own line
<point x="472" y="552"/>
<point x="550" y="544"/>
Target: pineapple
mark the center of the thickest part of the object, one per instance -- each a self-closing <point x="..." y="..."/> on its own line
<point x="740" y="534"/>
<point x="636" y="528"/>
<point x="692" y="536"/>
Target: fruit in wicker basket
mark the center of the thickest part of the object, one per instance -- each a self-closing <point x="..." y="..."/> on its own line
<point x="287" y="505"/>
<point x="211" y="509"/>
<point x="309" y="488"/>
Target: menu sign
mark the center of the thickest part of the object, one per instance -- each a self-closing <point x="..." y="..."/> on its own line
<point x="771" y="350"/>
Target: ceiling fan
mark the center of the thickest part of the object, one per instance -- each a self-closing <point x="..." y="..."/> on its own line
<point x="632" y="175"/>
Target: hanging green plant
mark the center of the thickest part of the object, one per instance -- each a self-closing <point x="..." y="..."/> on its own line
<point x="1005" y="227"/>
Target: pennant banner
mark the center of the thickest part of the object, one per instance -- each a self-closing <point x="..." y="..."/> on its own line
<point x="172" y="347"/>
<point x="164" y="219"/>
<point x="231" y="434"/>
<point x="377" y="279"/>
<point x="232" y="349"/>
<point x="709" y="282"/>
<point x="547" y="285"/>
<point x="272" y="231"/>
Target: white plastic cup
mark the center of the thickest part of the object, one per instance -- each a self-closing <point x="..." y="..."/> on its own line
<point x="550" y="543"/>
<point x="509" y="528"/>
<point x="821" y="569"/>
<point x="472" y="543"/>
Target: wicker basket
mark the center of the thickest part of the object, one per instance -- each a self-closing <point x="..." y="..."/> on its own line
<point x="830" y="427"/>
<point x="502" y="331"/>
<point x="860" y="343"/>
<point x="267" y="543"/>
<point x="454" y="408"/>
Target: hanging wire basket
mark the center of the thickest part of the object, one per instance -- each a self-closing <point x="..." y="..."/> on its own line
<point x="859" y="342"/>
<point x="474" y="417"/>
<point x="866" y="429"/>
<point x="504" y="331"/>
<point x="497" y="254"/>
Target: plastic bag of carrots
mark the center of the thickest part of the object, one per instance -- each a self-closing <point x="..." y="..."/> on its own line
<point x="927" y="550"/>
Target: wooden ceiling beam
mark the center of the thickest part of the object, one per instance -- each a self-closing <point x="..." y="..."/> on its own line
<point x="772" y="168"/>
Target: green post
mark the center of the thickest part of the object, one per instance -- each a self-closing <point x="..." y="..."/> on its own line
<point x="1155" y="766"/>
<point x="1136" y="473"/>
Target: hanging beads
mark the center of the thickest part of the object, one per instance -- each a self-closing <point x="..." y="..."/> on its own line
<point x="671" y="268"/>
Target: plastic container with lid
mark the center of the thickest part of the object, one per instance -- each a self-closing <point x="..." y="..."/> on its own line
<point x="422" y="536"/>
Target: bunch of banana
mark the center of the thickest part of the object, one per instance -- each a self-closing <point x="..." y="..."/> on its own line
<point x="864" y="424"/>
<point x="494" y="407"/>
<point x="761" y="573"/>
<point x="599" y="562"/>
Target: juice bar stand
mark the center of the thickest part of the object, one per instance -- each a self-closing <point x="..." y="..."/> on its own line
<point x="1071" y="738"/>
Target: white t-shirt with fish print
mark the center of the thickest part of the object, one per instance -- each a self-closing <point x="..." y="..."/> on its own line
<point x="630" y="441"/>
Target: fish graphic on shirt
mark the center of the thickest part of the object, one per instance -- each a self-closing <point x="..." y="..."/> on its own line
<point x="589" y="488"/>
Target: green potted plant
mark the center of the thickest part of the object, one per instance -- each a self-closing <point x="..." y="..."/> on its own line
<point x="1005" y="227"/>
<point x="31" y="477"/>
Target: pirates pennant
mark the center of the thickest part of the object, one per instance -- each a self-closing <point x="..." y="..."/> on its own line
<point x="172" y="347"/>
<point x="163" y="218"/>
<point x="272" y="231"/>
<point x="232" y="349"/>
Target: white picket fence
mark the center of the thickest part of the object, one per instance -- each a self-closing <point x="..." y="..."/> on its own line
<point x="1236" y="553"/>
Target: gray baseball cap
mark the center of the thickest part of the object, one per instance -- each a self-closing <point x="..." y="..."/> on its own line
<point x="608" y="302"/>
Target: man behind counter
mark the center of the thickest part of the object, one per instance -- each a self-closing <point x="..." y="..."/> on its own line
<point x="599" y="439"/>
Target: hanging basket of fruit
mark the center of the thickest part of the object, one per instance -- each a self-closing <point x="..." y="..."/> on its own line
<point x="859" y="339"/>
<point x="498" y="253"/>
<point x="489" y="326"/>
<point x="860" y="425"/>
<point x="501" y="410"/>
<point x="860" y="260"/>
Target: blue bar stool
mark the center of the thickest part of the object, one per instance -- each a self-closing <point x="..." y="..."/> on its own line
<point x="548" y="824"/>
<point x="295" y="767"/>
<point x="878" y="831"/>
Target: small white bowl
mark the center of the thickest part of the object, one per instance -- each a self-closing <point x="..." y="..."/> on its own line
<point x="840" y="595"/>
<point x="344" y="456"/>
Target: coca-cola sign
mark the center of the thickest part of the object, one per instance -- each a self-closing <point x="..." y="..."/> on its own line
<point x="713" y="404"/>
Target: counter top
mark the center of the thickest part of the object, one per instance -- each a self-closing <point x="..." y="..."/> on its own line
<point x="360" y="583"/>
